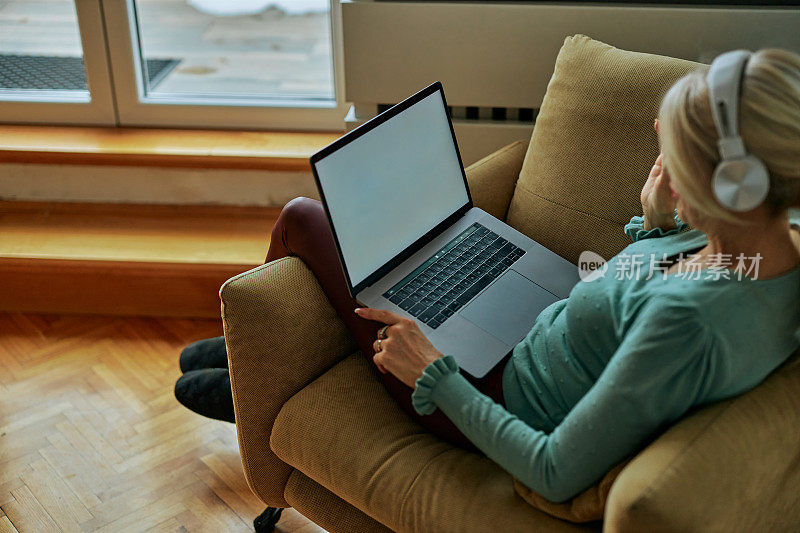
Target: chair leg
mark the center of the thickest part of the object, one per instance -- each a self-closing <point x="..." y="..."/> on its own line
<point x="266" y="521"/>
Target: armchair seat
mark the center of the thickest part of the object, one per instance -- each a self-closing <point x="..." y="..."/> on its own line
<point x="344" y="432"/>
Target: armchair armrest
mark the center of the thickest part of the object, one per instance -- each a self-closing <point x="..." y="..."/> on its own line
<point x="492" y="179"/>
<point x="281" y="334"/>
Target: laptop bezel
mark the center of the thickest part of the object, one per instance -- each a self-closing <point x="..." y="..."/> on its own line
<point x="433" y="232"/>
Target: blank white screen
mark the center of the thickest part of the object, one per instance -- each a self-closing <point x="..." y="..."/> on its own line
<point x="392" y="185"/>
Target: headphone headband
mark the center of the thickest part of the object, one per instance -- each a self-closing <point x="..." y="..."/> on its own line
<point x="724" y="87"/>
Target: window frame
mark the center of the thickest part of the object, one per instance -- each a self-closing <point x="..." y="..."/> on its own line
<point x="48" y="107"/>
<point x="111" y="54"/>
<point x="133" y="110"/>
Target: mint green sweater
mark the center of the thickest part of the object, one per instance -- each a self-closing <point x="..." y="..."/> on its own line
<point x="601" y="372"/>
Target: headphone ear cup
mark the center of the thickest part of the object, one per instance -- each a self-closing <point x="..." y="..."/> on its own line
<point x="741" y="184"/>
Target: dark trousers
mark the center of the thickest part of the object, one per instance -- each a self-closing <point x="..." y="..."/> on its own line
<point x="302" y="230"/>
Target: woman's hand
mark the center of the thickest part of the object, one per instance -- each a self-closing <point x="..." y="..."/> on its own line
<point x="405" y="352"/>
<point x="658" y="200"/>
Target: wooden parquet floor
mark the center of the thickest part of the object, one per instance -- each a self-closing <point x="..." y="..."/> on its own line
<point x="92" y="439"/>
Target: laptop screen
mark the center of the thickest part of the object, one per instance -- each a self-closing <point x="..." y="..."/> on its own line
<point x="390" y="186"/>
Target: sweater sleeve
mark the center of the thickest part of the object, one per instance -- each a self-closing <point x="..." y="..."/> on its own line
<point x="655" y="376"/>
<point x="635" y="229"/>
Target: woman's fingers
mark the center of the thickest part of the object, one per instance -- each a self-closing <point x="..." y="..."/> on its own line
<point x="664" y="200"/>
<point x="377" y="359"/>
<point x="378" y="356"/>
<point x="658" y="166"/>
<point x="663" y="179"/>
<point x="649" y="184"/>
<point x="378" y="315"/>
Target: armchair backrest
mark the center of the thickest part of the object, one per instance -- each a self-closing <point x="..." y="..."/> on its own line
<point x="592" y="147"/>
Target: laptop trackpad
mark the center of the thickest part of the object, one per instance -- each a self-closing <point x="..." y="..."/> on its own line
<point x="508" y="307"/>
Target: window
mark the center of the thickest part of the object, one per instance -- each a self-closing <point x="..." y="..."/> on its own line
<point x="222" y="50"/>
<point x="260" y="64"/>
<point x="50" y="70"/>
<point x="41" y="56"/>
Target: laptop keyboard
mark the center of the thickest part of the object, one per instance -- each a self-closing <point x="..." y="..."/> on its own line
<point x="454" y="275"/>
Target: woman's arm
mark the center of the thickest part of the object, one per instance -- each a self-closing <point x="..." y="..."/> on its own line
<point x="654" y="377"/>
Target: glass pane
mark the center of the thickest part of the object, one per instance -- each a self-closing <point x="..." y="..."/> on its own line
<point x="228" y="50"/>
<point x="40" y="50"/>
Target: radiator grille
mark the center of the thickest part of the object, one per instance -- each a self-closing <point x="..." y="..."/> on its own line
<point x="521" y="115"/>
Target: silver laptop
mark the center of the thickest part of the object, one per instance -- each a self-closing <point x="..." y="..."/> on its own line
<point x="411" y="242"/>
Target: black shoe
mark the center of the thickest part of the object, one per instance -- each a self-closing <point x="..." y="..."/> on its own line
<point x="207" y="353"/>
<point x="207" y="392"/>
<point x="266" y="521"/>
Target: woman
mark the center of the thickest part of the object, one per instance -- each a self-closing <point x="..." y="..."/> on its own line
<point x="602" y="371"/>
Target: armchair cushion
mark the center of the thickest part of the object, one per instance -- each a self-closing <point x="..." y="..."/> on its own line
<point x="592" y="147"/>
<point x="344" y="432"/>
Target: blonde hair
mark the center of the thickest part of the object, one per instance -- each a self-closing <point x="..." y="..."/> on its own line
<point x="769" y="124"/>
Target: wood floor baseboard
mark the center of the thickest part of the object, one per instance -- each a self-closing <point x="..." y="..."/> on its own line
<point x="160" y="261"/>
<point x="113" y="287"/>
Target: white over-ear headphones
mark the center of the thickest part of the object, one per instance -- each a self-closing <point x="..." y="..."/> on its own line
<point x="741" y="180"/>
